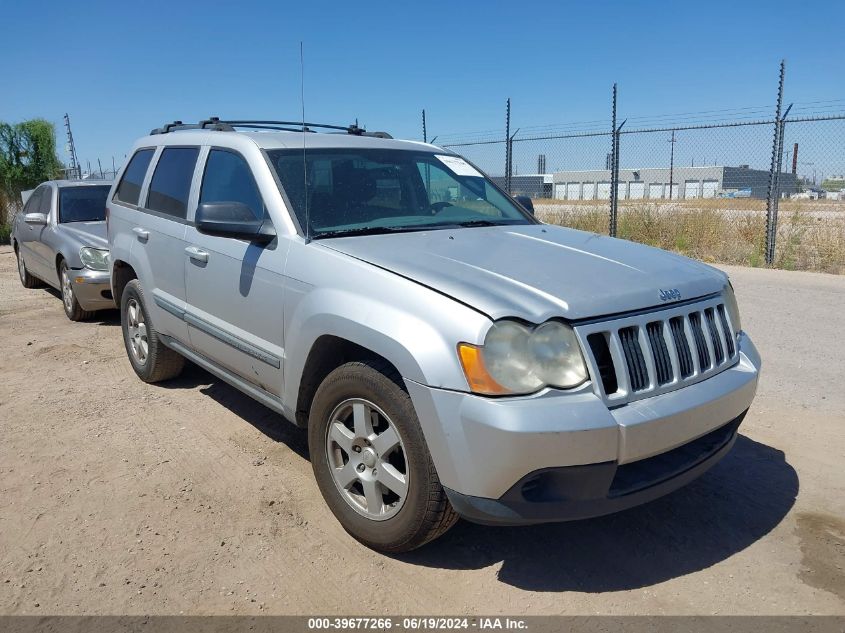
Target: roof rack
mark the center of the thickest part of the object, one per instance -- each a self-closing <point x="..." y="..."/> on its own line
<point x="216" y="124"/>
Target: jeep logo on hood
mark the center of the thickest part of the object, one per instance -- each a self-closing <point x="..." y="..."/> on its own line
<point x="672" y="294"/>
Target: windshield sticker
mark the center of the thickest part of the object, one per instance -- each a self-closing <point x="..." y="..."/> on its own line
<point x="459" y="166"/>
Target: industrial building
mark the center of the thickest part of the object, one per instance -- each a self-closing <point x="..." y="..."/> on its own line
<point x="653" y="183"/>
<point x="531" y="185"/>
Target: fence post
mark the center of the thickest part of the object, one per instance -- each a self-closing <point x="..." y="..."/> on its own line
<point x="776" y="200"/>
<point x="771" y="198"/>
<point x="425" y="135"/>
<point x="508" y="147"/>
<point x="614" y="151"/>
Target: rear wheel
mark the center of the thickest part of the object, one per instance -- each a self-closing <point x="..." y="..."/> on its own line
<point x="151" y="359"/>
<point x="371" y="461"/>
<point x="72" y="308"/>
<point x="27" y="280"/>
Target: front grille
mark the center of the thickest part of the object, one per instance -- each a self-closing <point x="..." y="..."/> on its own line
<point x="643" y="355"/>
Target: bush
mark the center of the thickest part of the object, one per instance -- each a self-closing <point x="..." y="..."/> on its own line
<point x="710" y="231"/>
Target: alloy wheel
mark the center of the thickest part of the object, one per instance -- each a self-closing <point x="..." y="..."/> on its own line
<point x="136" y="328"/>
<point x="67" y="291"/>
<point x="21" y="267"/>
<point x="366" y="458"/>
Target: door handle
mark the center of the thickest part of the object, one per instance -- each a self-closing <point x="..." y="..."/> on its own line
<point x="197" y="254"/>
<point x="143" y="234"/>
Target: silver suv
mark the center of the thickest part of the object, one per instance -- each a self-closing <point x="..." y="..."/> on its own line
<point x="448" y="354"/>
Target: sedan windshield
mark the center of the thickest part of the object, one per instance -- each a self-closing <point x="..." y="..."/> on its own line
<point x="364" y="191"/>
<point x="83" y="204"/>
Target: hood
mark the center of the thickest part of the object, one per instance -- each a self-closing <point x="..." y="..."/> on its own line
<point x="87" y="233"/>
<point x="536" y="272"/>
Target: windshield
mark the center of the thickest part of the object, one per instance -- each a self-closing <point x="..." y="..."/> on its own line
<point x="83" y="204"/>
<point x="383" y="190"/>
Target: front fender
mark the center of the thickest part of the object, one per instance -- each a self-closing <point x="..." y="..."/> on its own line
<point x="413" y="327"/>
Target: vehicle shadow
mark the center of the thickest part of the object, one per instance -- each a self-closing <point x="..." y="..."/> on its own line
<point x="262" y="418"/>
<point x="730" y="507"/>
<point x="101" y="317"/>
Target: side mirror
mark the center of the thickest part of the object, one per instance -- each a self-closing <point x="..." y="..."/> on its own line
<point x="233" y="219"/>
<point x="526" y="203"/>
<point x="35" y="218"/>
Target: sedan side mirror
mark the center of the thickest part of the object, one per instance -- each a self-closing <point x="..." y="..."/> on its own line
<point x="233" y="219"/>
<point x="35" y="218"/>
<point x="526" y="203"/>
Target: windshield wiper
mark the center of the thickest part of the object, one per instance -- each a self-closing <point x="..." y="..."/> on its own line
<point x="368" y="230"/>
<point x="479" y="223"/>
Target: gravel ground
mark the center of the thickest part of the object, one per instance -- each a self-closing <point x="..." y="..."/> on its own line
<point x="118" y="497"/>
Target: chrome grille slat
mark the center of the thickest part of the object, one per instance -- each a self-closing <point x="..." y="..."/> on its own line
<point x="659" y="351"/>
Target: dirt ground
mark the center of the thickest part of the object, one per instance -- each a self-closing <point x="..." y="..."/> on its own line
<point x="118" y="497"/>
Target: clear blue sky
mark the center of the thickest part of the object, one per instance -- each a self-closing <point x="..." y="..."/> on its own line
<point x="122" y="68"/>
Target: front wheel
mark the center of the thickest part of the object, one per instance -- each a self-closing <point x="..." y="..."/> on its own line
<point x="371" y="461"/>
<point x="73" y="310"/>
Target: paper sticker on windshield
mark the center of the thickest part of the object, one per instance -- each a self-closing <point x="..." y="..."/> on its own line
<point x="458" y="165"/>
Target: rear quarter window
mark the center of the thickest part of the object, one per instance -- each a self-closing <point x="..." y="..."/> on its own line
<point x="129" y="189"/>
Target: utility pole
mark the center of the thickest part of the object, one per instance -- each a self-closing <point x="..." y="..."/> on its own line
<point x="671" y="164"/>
<point x="71" y="148"/>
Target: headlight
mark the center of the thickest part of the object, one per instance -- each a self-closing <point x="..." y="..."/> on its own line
<point x="94" y="258"/>
<point x="732" y="308"/>
<point x="516" y="359"/>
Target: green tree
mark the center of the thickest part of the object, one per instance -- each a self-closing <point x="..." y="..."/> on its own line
<point x="27" y="158"/>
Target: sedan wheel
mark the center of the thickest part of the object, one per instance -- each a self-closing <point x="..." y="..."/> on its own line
<point x="27" y="280"/>
<point x="67" y="291"/>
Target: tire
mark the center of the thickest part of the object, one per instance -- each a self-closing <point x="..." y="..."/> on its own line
<point x="150" y="358"/>
<point x="27" y="280"/>
<point x="73" y="310"/>
<point x="341" y="446"/>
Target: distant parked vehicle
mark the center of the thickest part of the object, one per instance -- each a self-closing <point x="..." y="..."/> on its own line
<point x="60" y="239"/>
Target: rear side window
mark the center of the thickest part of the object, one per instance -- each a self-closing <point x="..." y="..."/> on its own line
<point x="228" y="178"/>
<point x="171" y="183"/>
<point x="129" y="189"/>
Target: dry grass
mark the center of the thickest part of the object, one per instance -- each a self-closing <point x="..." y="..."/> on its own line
<point x="706" y="230"/>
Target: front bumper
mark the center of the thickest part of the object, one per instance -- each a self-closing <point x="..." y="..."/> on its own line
<point x="92" y="289"/>
<point x="559" y="456"/>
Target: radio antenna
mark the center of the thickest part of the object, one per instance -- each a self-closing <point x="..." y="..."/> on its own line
<point x="304" y="134"/>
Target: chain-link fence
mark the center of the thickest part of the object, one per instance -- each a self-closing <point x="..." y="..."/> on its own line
<point x="751" y="191"/>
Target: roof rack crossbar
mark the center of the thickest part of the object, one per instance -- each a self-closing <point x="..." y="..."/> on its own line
<point x="215" y="123"/>
<point x="349" y="129"/>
